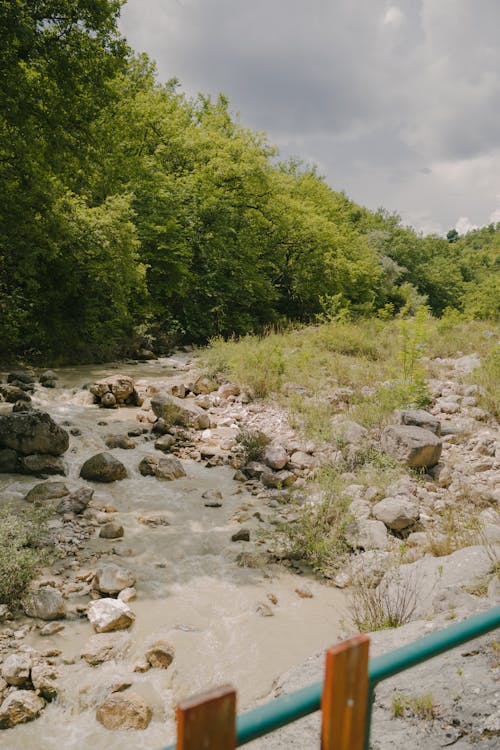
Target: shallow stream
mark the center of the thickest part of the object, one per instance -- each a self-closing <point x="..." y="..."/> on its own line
<point x="190" y="590"/>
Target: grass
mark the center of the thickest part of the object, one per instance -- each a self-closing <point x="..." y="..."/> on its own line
<point x="456" y="529"/>
<point x="388" y="605"/>
<point x="487" y="377"/>
<point x="253" y="444"/>
<point x="317" y="536"/>
<point x="420" y="706"/>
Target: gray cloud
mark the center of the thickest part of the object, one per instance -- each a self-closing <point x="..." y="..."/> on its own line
<point x="398" y="102"/>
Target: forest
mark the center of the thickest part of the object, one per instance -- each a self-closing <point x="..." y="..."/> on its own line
<point x="133" y="217"/>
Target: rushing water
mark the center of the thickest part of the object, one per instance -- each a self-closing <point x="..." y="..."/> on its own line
<point x="191" y="592"/>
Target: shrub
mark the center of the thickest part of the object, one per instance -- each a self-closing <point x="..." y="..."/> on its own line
<point x="253" y="443"/>
<point x="22" y="535"/>
<point x="487" y="377"/>
<point x="389" y="605"/>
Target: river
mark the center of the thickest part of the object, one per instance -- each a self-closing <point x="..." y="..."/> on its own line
<point x="190" y="591"/>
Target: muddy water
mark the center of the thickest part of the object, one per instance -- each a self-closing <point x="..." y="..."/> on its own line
<point x="190" y="590"/>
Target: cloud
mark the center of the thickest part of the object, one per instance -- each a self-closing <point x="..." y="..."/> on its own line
<point x="398" y="102"/>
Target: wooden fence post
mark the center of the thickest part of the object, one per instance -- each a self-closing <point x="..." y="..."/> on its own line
<point x="208" y="721"/>
<point x="345" y="694"/>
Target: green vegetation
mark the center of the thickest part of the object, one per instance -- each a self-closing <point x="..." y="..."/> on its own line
<point x="253" y="444"/>
<point x="133" y="216"/>
<point x="421" y="706"/>
<point x="22" y="535"/>
<point x="317" y="535"/>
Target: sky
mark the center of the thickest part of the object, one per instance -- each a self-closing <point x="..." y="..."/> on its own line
<point x="396" y="102"/>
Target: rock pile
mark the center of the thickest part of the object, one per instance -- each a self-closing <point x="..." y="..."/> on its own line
<point x="32" y="443"/>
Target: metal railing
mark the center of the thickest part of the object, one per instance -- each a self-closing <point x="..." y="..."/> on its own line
<point x="208" y="721"/>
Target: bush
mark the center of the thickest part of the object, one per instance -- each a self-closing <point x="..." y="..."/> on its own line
<point x="21" y="555"/>
<point x="389" y="605"/>
<point x="253" y="443"/>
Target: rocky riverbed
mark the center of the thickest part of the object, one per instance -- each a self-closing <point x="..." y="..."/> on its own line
<point x="167" y="580"/>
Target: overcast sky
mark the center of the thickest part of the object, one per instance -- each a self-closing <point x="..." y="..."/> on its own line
<point x="397" y="102"/>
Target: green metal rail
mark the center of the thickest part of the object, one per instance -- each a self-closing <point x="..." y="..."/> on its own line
<point x="288" y="708"/>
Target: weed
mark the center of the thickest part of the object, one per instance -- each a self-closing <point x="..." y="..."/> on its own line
<point x="389" y="605"/>
<point x="421" y="706"/>
<point x="487" y="377"/>
<point x="456" y="529"/>
<point x="253" y="443"/>
<point x="318" y="534"/>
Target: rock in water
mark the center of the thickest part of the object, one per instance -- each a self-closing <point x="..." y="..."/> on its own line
<point x="42" y="464"/>
<point x="103" y="467"/>
<point x="46" y="603"/>
<point x="124" y="711"/>
<point x="111" y="579"/>
<point x="46" y="491"/>
<point x="16" y="670"/>
<point x="111" y="530"/>
<point x="109" y="614"/>
<point x="32" y="432"/>
<point x="160" y="655"/>
<point x="20" y="706"/>
<point x="413" y="446"/>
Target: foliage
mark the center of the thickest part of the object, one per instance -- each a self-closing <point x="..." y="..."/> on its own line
<point x="317" y="536"/>
<point x="487" y="377"/>
<point x="421" y="706"/>
<point x="20" y="552"/>
<point x="253" y="443"/>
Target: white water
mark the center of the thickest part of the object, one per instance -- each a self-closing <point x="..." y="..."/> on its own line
<point x="190" y="590"/>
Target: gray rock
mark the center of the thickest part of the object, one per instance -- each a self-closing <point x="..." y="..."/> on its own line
<point x="12" y="394"/>
<point x="44" y="491"/>
<point x="162" y="467"/>
<point x="119" y="441"/>
<point x="365" y="534"/>
<point x="22" y="376"/>
<point x="353" y="433"/>
<point x="243" y="535"/>
<point x="46" y="603"/>
<point x="16" y="669"/>
<point x="212" y="499"/>
<point x="104" y="647"/>
<point x="120" y="386"/>
<point x="302" y="460"/>
<point x="44" y="678"/>
<point x="124" y="711"/>
<point x="111" y="530"/>
<point x="396" y="512"/>
<point x="420" y="418"/>
<point x="40" y="464"/>
<point x="48" y="376"/>
<point x="160" y="655"/>
<point x="8" y="461"/>
<point x="165" y="443"/>
<point x="103" y="467"/>
<point x="204" y="385"/>
<point x="275" y="456"/>
<point x="412" y="446"/>
<point x="111" y="579"/>
<point x="109" y="614"/>
<point x="32" y="432"/>
<point x="77" y="501"/>
<point x="19" y="707"/>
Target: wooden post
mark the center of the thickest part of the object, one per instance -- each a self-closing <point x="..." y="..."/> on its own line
<point x="345" y="694"/>
<point x="207" y="721"/>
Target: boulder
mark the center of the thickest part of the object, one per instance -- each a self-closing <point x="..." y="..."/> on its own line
<point x="212" y="499"/>
<point x="173" y="411"/>
<point x="44" y="491"/>
<point x="16" y="670"/>
<point x="8" y="461"/>
<point x="243" y="535"/>
<point x="48" y="376"/>
<point x="275" y="456"/>
<point x="162" y="467"/>
<point x="41" y="464"/>
<point x="108" y="400"/>
<point x="302" y="460"/>
<point x="103" y="467"/>
<point x="111" y="530"/>
<point x="77" y="501"/>
<point x="413" y="446"/>
<point x="104" y="647"/>
<point x="111" y="579"/>
<point x="12" y="394"/>
<point x="20" y="706"/>
<point x="278" y="479"/>
<point x="124" y="711"/>
<point x="46" y="603"/>
<point x="160" y="654"/>
<point x="420" y="418"/>
<point x="44" y="678"/>
<point x="204" y="385"/>
<point x="364" y="534"/>
<point x="396" y="512"/>
<point x="22" y="376"/>
<point x="119" y="441"/>
<point x="32" y="432"/>
<point x="165" y="443"/>
<point x="109" y="614"/>
<point x="353" y="433"/>
<point x="121" y="386"/>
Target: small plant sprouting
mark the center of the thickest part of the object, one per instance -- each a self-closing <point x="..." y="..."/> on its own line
<point x="420" y="706"/>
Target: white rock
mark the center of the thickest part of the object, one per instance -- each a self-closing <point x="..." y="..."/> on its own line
<point x="109" y="614"/>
